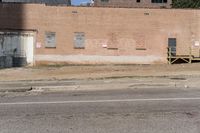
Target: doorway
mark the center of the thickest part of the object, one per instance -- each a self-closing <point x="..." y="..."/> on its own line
<point x="172" y="46"/>
<point x="16" y="49"/>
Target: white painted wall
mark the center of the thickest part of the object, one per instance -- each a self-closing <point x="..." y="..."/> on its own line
<point x="29" y="49"/>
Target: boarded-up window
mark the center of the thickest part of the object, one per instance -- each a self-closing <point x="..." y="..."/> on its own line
<point x="79" y="40"/>
<point x="140" y="42"/>
<point x="113" y="41"/>
<point x="50" y="39"/>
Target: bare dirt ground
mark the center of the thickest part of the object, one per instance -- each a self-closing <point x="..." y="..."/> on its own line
<point x="99" y="71"/>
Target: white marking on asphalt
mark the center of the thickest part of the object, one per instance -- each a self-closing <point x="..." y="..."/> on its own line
<point x="102" y="101"/>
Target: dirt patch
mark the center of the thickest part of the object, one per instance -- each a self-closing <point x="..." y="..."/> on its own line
<point x="99" y="71"/>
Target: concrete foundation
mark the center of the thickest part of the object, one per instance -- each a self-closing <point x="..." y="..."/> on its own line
<point x="94" y="59"/>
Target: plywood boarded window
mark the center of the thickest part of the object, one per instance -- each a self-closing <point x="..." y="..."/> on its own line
<point x="79" y="40"/>
<point x="50" y="38"/>
<point x="113" y="41"/>
<point x="140" y="42"/>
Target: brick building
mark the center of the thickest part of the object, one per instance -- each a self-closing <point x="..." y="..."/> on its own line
<point x="88" y="35"/>
<point x="134" y="3"/>
<point x="48" y="2"/>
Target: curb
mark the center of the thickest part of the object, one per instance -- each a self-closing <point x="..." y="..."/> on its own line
<point x="89" y="86"/>
<point x="19" y="89"/>
<point x="55" y="88"/>
<point x="98" y="87"/>
<point x="106" y="77"/>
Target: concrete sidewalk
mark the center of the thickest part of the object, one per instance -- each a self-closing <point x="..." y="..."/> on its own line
<point x="99" y="77"/>
<point x="100" y="84"/>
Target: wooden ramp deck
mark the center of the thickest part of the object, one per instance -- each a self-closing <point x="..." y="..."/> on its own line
<point x="186" y="58"/>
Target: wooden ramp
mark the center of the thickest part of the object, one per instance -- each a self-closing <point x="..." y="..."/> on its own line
<point x="186" y="58"/>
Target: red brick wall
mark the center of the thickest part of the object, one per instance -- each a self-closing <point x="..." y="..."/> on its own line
<point x="131" y="35"/>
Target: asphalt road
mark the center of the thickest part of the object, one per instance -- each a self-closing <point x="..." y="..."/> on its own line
<point x="148" y="110"/>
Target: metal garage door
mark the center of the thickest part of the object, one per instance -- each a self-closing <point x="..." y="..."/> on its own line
<point x="16" y="49"/>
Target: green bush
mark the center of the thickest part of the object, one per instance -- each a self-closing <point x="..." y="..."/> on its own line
<point x="186" y="3"/>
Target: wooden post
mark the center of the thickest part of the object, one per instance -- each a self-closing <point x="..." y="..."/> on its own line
<point x="170" y="55"/>
<point x="199" y="52"/>
<point x="190" y="55"/>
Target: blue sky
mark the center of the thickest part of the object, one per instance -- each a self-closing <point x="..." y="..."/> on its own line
<point x="77" y="2"/>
